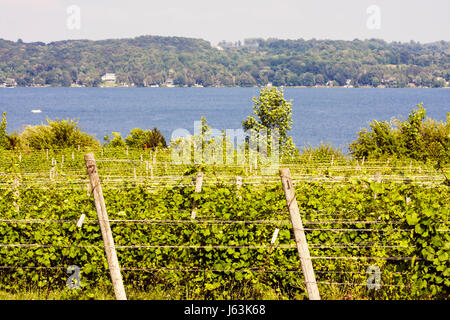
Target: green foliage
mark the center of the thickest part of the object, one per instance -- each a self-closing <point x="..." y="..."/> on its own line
<point x="148" y="60"/>
<point x="3" y="134"/>
<point x="272" y="112"/>
<point x="57" y="134"/>
<point x="418" y="279"/>
<point x="415" y="138"/>
<point x="324" y="152"/>
<point x="116" y="142"/>
<point x="13" y="141"/>
<point x="151" y="139"/>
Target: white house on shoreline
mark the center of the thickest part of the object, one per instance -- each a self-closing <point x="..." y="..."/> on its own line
<point x="109" y="78"/>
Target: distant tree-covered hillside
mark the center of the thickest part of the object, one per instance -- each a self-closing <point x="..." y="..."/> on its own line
<point x="149" y="60"/>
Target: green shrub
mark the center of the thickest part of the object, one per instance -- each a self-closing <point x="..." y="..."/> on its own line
<point x="322" y="152"/>
<point x="57" y="134"/>
<point x="116" y="142"/>
<point x="139" y="138"/>
<point x="417" y="138"/>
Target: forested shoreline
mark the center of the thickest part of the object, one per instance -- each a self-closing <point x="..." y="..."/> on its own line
<point x="176" y="61"/>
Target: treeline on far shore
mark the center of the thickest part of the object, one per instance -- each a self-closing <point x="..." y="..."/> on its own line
<point x="175" y="61"/>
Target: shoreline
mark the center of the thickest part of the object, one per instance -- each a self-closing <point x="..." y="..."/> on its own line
<point x="236" y="87"/>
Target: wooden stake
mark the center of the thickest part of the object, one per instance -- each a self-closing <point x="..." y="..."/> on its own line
<point x="16" y="194"/>
<point x="134" y="173"/>
<point x="198" y="189"/>
<point x="377" y="178"/>
<point x="46" y="151"/>
<point x="332" y="160"/>
<point x="238" y="182"/>
<point x="108" y="240"/>
<point x="73" y="155"/>
<point x="299" y="234"/>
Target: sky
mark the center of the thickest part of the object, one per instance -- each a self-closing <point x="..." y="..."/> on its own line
<point x="230" y="20"/>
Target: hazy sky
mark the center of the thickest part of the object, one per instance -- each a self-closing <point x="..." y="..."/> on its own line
<point x="231" y="20"/>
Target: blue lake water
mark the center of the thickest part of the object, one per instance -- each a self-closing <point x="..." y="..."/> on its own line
<point x="332" y="115"/>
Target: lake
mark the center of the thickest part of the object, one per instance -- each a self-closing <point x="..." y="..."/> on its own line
<point x="332" y="115"/>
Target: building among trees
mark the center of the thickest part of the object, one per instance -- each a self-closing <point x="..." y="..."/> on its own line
<point x="109" y="78"/>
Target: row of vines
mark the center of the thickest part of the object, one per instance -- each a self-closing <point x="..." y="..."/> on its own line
<point x="400" y="228"/>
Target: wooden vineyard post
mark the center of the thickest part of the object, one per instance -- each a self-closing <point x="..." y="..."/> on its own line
<point x="299" y="234"/>
<point x="52" y="173"/>
<point x="16" y="185"/>
<point x="198" y="189"/>
<point x="238" y="182"/>
<point x="108" y="241"/>
<point x="377" y="179"/>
